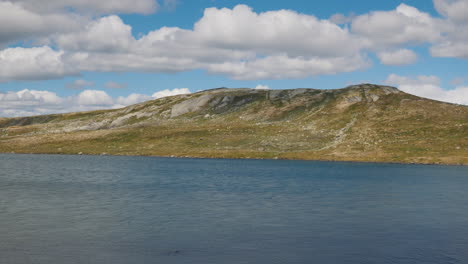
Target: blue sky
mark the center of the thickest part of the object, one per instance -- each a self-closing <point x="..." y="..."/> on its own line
<point x="50" y="55"/>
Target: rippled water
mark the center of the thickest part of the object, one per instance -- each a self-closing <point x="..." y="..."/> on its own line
<point x="84" y="209"/>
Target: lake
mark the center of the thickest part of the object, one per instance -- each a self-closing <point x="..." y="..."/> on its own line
<point x="103" y="209"/>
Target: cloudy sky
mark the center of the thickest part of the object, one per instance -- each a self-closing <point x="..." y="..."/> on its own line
<point x="73" y="55"/>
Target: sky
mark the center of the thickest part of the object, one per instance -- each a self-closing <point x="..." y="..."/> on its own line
<point x="77" y="55"/>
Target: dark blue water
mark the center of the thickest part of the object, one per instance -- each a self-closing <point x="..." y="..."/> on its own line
<point x="83" y="209"/>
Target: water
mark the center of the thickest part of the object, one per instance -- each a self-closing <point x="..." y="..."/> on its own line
<point x="83" y="209"/>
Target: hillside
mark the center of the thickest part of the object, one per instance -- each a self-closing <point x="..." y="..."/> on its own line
<point x="358" y="123"/>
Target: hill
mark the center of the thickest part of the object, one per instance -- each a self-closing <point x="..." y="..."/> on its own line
<point x="358" y="123"/>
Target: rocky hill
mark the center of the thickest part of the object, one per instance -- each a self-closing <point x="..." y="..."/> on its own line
<point x="358" y="123"/>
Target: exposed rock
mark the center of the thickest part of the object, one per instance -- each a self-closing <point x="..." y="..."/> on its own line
<point x="287" y="94"/>
<point x="119" y="121"/>
<point x="87" y="126"/>
<point x="232" y="102"/>
<point x="373" y="97"/>
<point x="190" y="105"/>
<point x="274" y="94"/>
<point x="233" y="123"/>
<point x="354" y="99"/>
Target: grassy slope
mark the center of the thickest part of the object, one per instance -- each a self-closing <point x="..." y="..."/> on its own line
<point x="316" y="125"/>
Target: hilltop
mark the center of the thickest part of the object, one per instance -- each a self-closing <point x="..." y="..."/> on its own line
<point x="358" y="123"/>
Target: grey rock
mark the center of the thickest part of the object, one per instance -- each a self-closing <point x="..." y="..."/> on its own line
<point x="373" y="97"/>
<point x="190" y="105"/>
<point x="274" y="94"/>
<point x="354" y="99"/>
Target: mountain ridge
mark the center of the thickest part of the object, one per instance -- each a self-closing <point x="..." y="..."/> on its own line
<point x="364" y="122"/>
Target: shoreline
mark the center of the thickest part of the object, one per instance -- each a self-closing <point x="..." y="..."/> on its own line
<point x="233" y="158"/>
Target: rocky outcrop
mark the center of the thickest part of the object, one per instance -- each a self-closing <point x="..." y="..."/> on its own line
<point x="191" y="105"/>
<point x="361" y="122"/>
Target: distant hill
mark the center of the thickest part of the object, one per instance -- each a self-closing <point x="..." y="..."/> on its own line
<point x="358" y="123"/>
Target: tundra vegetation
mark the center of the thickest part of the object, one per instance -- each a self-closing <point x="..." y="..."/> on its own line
<point x="358" y="123"/>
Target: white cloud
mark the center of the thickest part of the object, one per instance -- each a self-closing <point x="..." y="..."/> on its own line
<point x="429" y="87"/>
<point x="397" y="57"/>
<point x="454" y="42"/>
<point x="41" y="96"/>
<point x="237" y="42"/>
<point x="92" y="6"/>
<point x="108" y="34"/>
<point x="133" y="98"/>
<point x="451" y="48"/>
<point x="419" y="80"/>
<point x="283" y="31"/>
<point x="33" y="64"/>
<point x="404" y="25"/>
<point x="284" y="67"/>
<point x="167" y="92"/>
<point x="33" y="20"/>
<point x="18" y="23"/>
<point x="115" y="85"/>
<point x="28" y="102"/>
<point x="456" y="10"/>
<point x="262" y="87"/>
<point x="32" y="102"/>
<point x="94" y="97"/>
<point x="281" y="44"/>
<point x="407" y="25"/>
<point x="218" y="44"/>
<point x="79" y="84"/>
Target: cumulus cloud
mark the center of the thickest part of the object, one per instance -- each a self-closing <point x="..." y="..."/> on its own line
<point x="37" y="63"/>
<point x="397" y="57"/>
<point x="32" y="102"/>
<point x="32" y="20"/>
<point x="238" y="42"/>
<point x="92" y="6"/>
<point x="404" y="25"/>
<point x="456" y="10"/>
<point x="133" y="98"/>
<point x="115" y="85"/>
<point x="217" y="44"/>
<point x="107" y="34"/>
<point x="429" y="87"/>
<point x="167" y="92"/>
<point x="262" y="87"/>
<point x="451" y="48"/>
<point x="79" y="84"/>
<point x="94" y="97"/>
<point x="454" y="42"/>
<point x="18" y="23"/>
<point x="284" y="67"/>
<point x="283" y="31"/>
<point x="28" y="102"/>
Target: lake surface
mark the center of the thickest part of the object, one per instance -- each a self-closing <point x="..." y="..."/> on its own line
<point x="101" y="209"/>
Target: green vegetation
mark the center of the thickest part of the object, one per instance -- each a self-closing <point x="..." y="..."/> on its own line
<point x="358" y="123"/>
